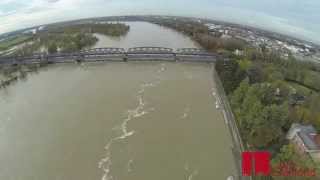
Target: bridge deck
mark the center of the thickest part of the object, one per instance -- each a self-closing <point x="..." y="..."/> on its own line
<point x="117" y="54"/>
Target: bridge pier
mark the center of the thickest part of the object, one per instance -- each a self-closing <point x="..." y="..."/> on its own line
<point x="125" y="57"/>
<point x="79" y="58"/>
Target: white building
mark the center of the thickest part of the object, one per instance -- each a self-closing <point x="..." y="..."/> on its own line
<point x="305" y="139"/>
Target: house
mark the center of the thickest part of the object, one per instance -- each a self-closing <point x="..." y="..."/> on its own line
<point x="296" y="99"/>
<point x="306" y="140"/>
<point x="238" y="52"/>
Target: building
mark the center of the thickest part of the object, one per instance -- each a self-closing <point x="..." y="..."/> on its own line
<point x="238" y="52"/>
<point x="296" y="99"/>
<point x="306" y="140"/>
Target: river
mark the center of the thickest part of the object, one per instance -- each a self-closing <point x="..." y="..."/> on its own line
<point x="116" y="121"/>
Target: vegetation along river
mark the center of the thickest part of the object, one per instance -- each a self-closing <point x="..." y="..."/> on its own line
<point x="120" y="121"/>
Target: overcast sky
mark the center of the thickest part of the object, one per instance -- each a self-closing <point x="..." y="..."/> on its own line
<point x="300" y="18"/>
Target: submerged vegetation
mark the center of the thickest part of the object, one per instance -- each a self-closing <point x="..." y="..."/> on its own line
<point x="69" y="37"/>
<point x="64" y="38"/>
<point x="13" y="41"/>
<point x="105" y="29"/>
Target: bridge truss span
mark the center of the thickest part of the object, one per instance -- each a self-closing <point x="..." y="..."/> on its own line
<point x="109" y="50"/>
<point x="150" y="50"/>
<point x="193" y="51"/>
<point x="116" y="54"/>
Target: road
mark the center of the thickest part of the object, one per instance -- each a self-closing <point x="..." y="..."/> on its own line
<point x="237" y="147"/>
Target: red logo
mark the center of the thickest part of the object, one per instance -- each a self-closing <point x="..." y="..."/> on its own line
<point x="256" y="163"/>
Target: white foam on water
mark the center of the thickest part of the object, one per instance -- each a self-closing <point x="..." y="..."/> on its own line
<point x="139" y="111"/>
<point x="163" y="68"/>
<point x="186" y="167"/>
<point x="105" y="163"/>
<point x="217" y="98"/>
<point x="185" y="113"/>
<point x="225" y="117"/>
<point x="213" y="93"/>
<point x="130" y="165"/>
<point x="217" y="105"/>
<point x="194" y="173"/>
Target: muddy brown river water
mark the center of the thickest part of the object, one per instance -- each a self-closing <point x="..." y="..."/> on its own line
<point x="120" y="121"/>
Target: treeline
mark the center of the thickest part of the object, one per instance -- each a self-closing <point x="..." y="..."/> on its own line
<point x="52" y="43"/>
<point x="267" y="94"/>
<point x="108" y="29"/>
<point x="67" y="42"/>
<point x="200" y="33"/>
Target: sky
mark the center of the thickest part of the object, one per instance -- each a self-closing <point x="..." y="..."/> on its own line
<point x="299" y="18"/>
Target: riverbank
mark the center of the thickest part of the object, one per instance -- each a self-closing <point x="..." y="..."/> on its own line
<point x="261" y="87"/>
<point x="237" y="147"/>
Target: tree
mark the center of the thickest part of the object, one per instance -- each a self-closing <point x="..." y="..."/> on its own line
<point x="286" y="154"/>
<point x="239" y="94"/>
<point x="230" y="74"/>
<point x="261" y="121"/>
<point x="267" y="130"/>
<point x="255" y="73"/>
<point x="233" y="44"/>
<point x="52" y="48"/>
<point x="245" y="64"/>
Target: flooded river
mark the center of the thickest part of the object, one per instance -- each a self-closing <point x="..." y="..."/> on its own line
<point x="116" y="121"/>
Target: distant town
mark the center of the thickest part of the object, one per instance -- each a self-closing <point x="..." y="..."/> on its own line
<point x="258" y="38"/>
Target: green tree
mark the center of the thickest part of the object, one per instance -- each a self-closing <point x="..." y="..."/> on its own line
<point x="230" y="74"/>
<point x="239" y="94"/>
<point x="52" y="48"/>
<point x="255" y="73"/>
<point x="266" y="131"/>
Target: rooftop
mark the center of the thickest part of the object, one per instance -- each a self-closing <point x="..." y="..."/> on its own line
<point x="309" y="141"/>
<point x="308" y="135"/>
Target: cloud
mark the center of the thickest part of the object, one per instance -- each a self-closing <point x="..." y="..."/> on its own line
<point x="53" y="1"/>
<point x="292" y="17"/>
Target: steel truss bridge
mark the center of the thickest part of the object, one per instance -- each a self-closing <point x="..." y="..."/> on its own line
<point x="116" y="54"/>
